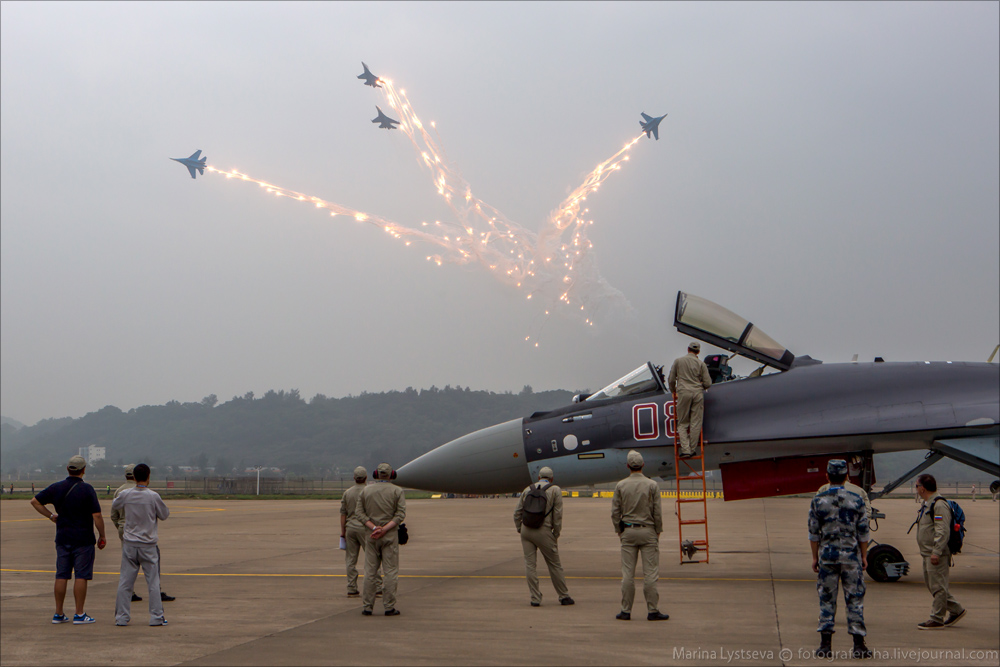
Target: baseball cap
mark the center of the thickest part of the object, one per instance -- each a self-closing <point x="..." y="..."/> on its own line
<point x="694" y="345"/>
<point x="634" y="459"/>
<point x="545" y="472"/>
<point x="360" y="473"/>
<point x="129" y="469"/>
<point x="384" y="470"/>
<point x="76" y="463"/>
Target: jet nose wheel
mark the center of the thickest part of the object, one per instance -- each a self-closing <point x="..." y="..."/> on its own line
<point x="885" y="563"/>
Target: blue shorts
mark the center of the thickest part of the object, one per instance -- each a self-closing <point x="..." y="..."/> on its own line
<point x="79" y="559"/>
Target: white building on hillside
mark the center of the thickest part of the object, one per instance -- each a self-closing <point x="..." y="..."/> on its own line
<point x="93" y="453"/>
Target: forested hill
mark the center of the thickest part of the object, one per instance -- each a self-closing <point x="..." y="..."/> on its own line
<point x="278" y="429"/>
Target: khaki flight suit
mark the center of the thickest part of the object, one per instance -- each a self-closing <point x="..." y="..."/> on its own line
<point x="853" y="488"/>
<point x="355" y="536"/>
<point x="933" y="528"/>
<point x="544" y="539"/>
<point x="689" y="379"/>
<point x="117" y="515"/>
<point x="381" y="503"/>
<point x="636" y="502"/>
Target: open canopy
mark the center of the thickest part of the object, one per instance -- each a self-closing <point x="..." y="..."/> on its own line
<point x="715" y="325"/>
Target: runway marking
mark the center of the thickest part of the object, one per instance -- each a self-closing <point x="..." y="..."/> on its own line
<point x="480" y="576"/>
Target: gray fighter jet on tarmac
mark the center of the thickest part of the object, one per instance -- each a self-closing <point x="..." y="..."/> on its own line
<point x="370" y="79"/>
<point x="192" y="163"/>
<point x="769" y="434"/>
<point x="650" y="124"/>
<point x="384" y="121"/>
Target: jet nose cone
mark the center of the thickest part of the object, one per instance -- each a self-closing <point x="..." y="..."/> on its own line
<point x="490" y="460"/>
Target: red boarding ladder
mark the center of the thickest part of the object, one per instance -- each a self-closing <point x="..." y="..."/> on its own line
<point x="693" y="468"/>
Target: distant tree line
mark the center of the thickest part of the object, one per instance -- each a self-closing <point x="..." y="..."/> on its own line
<point x="279" y="429"/>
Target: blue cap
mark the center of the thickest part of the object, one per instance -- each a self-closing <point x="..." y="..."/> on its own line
<point x="836" y="467"/>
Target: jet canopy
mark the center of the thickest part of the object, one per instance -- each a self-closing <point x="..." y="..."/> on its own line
<point x="641" y="380"/>
<point x="715" y="325"/>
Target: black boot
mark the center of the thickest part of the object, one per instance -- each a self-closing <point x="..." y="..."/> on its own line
<point x="860" y="651"/>
<point x="825" y="650"/>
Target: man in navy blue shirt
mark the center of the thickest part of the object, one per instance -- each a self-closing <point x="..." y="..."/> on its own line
<point x="77" y="512"/>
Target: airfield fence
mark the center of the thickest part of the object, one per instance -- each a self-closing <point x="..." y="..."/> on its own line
<point x="294" y="485"/>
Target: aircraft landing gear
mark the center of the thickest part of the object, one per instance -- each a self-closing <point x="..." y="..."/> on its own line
<point x="885" y="563"/>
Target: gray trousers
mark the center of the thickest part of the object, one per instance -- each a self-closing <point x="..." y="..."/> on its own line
<point x="134" y="556"/>
<point x="645" y="541"/>
<point x="852" y="577"/>
<point x="356" y="537"/>
<point x="542" y="539"/>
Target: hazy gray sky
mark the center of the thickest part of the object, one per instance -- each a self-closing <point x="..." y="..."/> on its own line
<point x="829" y="171"/>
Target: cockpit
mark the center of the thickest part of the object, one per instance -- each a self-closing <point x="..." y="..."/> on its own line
<point x="643" y="379"/>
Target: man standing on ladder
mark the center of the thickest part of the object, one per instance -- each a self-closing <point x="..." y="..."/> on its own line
<point x="688" y="381"/>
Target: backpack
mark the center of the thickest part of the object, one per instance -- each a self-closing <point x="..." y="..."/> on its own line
<point x="956" y="532"/>
<point x="402" y="534"/>
<point x="533" y="509"/>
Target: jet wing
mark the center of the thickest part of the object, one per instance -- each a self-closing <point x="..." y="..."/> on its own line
<point x="191" y="169"/>
<point x="656" y="131"/>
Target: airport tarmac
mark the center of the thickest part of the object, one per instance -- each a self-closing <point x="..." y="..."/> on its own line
<point x="262" y="583"/>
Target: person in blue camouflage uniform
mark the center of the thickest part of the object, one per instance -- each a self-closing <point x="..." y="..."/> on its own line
<point x="838" y="537"/>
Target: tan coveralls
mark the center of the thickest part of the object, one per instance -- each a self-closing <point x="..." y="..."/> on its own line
<point x="689" y="379"/>
<point x="636" y="502"/>
<point x="118" y="515"/>
<point x="853" y="488"/>
<point x="544" y="539"/>
<point x="356" y="535"/>
<point x="381" y="503"/>
<point x="933" y="528"/>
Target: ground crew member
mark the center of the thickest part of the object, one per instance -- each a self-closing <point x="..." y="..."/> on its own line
<point x="78" y="511"/>
<point x="354" y="534"/>
<point x="638" y="521"/>
<point x="838" y="538"/>
<point x="141" y="508"/>
<point x="688" y="380"/>
<point x="381" y="507"/>
<point x="933" y="529"/>
<point x="544" y="538"/>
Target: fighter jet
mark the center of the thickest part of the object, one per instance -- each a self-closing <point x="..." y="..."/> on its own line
<point x="370" y="79"/>
<point x="769" y="433"/>
<point x="192" y="163"/>
<point x="650" y="124"/>
<point x="384" y="121"/>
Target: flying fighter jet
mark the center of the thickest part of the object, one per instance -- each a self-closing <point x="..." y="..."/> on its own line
<point x="370" y="79"/>
<point x="384" y="121"/>
<point x="769" y="434"/>
<point x="192" y="163"/>
<point x="650" y="124"/>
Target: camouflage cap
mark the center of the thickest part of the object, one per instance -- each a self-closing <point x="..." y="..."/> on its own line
<point x="694" y="345"/>
<point x="836" y="467"/>
<point x="634" y="460"/>
<point x="76" y="463"/>
<point x="129" y="469"/>
<point x="360" y="473"/>
<point x="384" y="471"/>
<point x="545" y="472"/>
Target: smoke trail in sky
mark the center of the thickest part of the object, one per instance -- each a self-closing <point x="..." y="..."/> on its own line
<point x="554" y="266"/>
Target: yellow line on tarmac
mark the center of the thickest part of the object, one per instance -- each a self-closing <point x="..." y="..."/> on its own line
<point x="472" y="576"/>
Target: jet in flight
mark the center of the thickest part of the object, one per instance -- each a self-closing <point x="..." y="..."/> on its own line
<point x="650" y="124"/>
<point x="769" y="433"/>
<point x="370" y="79"/>
<point x="192" y="163"/>
<point x="384" y="121"/>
